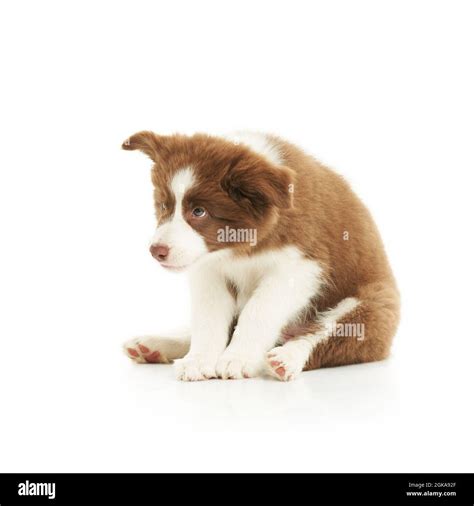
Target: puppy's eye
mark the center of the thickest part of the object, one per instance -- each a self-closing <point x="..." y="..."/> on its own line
<point x="199" y="212"/>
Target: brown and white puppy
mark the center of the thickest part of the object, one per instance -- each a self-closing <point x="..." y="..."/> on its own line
<point x="287" y="269"/>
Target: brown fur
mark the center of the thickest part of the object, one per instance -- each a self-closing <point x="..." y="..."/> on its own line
<point x="301" y="203"/>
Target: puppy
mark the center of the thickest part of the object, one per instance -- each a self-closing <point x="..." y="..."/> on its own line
<point x="287" y="269"/>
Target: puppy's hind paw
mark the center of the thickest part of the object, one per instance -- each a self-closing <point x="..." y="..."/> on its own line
<point x="285" y="362"/>
<point x="145" y="350"/>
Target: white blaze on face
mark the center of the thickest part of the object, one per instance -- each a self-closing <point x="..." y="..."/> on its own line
<point x="185" y="244"/>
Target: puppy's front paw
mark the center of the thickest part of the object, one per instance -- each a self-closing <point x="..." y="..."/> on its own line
<point x="235" y="366"/>
<point x="195" y="368"/>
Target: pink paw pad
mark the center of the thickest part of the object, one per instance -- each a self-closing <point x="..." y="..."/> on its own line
<point x="132" y="352"/>
<point x="143" y="349"/>
<point x="278" y="368"/>
<point x="154" y="357"/>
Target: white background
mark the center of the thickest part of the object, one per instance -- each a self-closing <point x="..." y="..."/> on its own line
<point x="380" y="91"/>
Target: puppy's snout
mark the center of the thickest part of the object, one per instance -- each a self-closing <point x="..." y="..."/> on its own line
<point x="159" y="251"/>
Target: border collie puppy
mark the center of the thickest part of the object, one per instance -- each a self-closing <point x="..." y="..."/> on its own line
<point x="287" y="269"/>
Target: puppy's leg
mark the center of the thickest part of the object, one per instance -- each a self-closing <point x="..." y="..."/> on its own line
<point x="212" y="313"/>
<point x="356" y="330"/>
<point x="154" y="349"/>
<point x="278" y="298"/>
<point x="287" y="361"/>
<point x="378" y="315"/>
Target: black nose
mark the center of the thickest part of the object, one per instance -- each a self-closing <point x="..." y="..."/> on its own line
<point x="159" y="251"/>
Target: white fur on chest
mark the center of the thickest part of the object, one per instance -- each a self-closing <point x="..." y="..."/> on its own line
<point x="298" y="275"/>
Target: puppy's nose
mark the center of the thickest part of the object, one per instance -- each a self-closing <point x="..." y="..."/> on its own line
<point x="159" y="251"/>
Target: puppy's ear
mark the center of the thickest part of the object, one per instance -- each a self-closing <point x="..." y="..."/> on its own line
<point x="257" y="184"/>
<point x="147" y="142"/>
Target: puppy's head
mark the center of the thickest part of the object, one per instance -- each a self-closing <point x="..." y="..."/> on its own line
<point x="210" y="194"/>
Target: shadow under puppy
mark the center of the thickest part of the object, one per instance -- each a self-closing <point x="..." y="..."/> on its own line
<point x="287" y="269"/>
